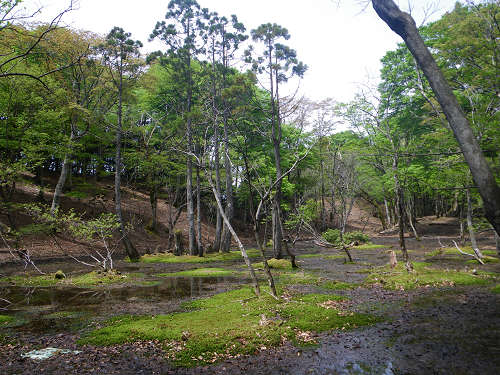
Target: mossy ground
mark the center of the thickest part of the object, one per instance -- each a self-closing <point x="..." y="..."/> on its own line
<point x="454" y="251"/>
<point x="279" y="264"/>
<point x="369" y="246"/>
<point x="215" y="257"/>
<point x="201" y="272"/>
<point x="5" y="319"/>
<point x="93" y="278"/>
<point x="231" y="324"/>
<point x="423" y="276"/>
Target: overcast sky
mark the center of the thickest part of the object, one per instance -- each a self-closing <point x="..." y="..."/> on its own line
<point x="341" y="44"/>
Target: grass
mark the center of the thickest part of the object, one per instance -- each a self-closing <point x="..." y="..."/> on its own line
<point x="215" y="257"/>
<point x="423" y="276"/>
<point x="369" y="246"/>
<point x="86" y="280"/>
<point x="496" y="289"/>
<point x="201" y="272"/>
<point x="231" y="324"/>
<point x="336" y="256"/>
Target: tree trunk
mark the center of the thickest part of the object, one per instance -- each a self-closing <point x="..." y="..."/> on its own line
<point x="218" y="223"/>
<point x="62" y="177"/>
<point x="226" y="234"/>
<point x="129" y="247"/>
<point x="153" y="200"/>
<point x="497" y="242"/>
<point x="472" y="234"/>
<point x="198" y="213"/>
<point x="179" y="244"/>
<point x="404" y="25"/>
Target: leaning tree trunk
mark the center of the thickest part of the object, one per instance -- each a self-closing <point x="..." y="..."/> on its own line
<point x="404" y="25"/>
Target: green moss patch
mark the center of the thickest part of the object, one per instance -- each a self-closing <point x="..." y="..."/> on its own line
<point x="279" y="264"/>
<point x="369" y="246"/>
<point x="423" y="276"/>
<point x="496" y="289"/>
<point x="336" y="256"/>
<point x="5" y="319"/>
<point x="215" y="257"/>
<point x="231" y="324"/>
<point x="201" y="272"/>
<point x="454" y="251"/>
<point x="486" y="259"/>
<point x="93" y="278"/>
<point x="305" y="256"/>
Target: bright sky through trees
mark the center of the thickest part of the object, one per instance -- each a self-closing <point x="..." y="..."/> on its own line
<point x="341" y="44"/>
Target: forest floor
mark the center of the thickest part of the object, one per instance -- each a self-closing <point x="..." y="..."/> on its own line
<point x="443" y="319"/>
<point x="437" y="328"/>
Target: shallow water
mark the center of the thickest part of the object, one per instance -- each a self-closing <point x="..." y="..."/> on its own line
<point x="58" y="308"/>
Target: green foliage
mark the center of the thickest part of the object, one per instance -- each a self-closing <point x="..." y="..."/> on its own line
<point x="333" y="236"/>
<point x="249" y="324"/>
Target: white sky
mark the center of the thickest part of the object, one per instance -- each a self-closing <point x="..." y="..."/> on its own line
<point x="341" y="45"/>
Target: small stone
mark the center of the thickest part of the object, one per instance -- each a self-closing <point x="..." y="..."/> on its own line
<point x="474" y="271"/>
<point x="59" y="275"/>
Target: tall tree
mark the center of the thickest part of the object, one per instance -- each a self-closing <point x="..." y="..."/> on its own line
<point x="183" y="38"/>
<point x="121" y="56"/>
<point x="279" y="62"/>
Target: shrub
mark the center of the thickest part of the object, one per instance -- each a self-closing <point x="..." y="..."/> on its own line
<point x="333" y="236"/>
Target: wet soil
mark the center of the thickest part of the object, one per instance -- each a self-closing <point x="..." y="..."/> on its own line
<point x="452" y="330"/>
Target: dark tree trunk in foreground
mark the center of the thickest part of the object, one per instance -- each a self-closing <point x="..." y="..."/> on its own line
<point x="404" y="25"/>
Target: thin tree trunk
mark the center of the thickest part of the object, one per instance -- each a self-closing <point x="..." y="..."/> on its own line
<point x="404" y="25"/>
<point x="62" y="177"/>
<point x="229" y="212"/>
<point x="497" y="242"/>
<point x="237" y="239"/>
<point x="132" y="252"/>
<point x="472" y="234"/>
<point x="153" y="200"/>
<point x="218" y="223"/>
<point x="388" y="215"/>
<point x="198" y="212"/>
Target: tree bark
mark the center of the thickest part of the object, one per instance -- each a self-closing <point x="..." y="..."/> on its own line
<point x="229" y="212"/>
<point x="404" y="25"/>
<point x="198" y="213"/>
<point x="132" y="252"/>
<point x="62" y="177"/>
<point x="472" y="234"/>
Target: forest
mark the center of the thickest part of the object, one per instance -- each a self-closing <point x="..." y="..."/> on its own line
<point x="145" y="196"/>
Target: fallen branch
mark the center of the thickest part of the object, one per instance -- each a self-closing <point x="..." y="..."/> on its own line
<point x="471" y="255"/>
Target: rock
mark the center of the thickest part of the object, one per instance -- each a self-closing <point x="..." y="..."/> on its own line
<point x="59" y="275"/>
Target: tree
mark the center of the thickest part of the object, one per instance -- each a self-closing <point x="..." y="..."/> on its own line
<point x="184" y="42"/>
<point x="279" y="62"/>
<point x="404" y="25"/>
<point x="121" y="56"/>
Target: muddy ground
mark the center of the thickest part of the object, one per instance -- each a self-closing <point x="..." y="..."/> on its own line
<point x="445" y="330"/>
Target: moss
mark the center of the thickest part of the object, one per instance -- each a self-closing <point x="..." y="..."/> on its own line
<point x="248" y="325"/>
<point x="454" y="251"/>
<point x="423" y="275"/>
<point x="27" y="280"/>
<point x="280" y="264"/>
<point x="369" y="246"/>
<point x="305" y="256"/>
<point x="336" y="256"/>
<point x="496" y="289"/>
<point x="89" y="279"/>
<point x="486" y="259"/>
<point x="5" y="319"/>
<point x="201" y="272"/>
<point x="215" y="257"/>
